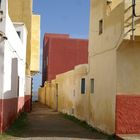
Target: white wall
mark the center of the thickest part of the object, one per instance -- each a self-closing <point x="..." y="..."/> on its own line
<point x="2" y="29"/>
<point x="1" y="67"/>
<point x="13" y="48"/>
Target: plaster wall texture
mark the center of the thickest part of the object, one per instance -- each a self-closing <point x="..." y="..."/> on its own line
<point x="128" y="91"/>
<point x="51" y="95"/>
<point x="23" y="13"/>
<point x="12" y="74"/>
<point x="14" y="57"/>
<point x="128" y="114"/>
<point x="102" y="61"/>
<point x="106" y="64"/>
<point x="128" y="68"/>
<point x="35" y="41"/>
<point x="64" y="93"/>
<point x="41" y="95"/>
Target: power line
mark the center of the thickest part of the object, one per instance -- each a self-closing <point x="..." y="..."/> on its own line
<point x="14" y="51"/>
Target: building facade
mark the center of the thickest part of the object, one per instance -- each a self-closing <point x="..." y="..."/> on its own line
<point x="114" y="47"/>
<point x="13" y="38"/>
<point x="61" y="54"/>
<point x="23" y="13"/>
<point x="106" y="92"/>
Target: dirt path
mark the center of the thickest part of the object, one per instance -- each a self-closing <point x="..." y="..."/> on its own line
<point x="46" y="124"/>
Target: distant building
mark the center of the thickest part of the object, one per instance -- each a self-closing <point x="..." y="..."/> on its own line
<point x="13" y="38"/>
<point x="61" y="54"/>
<point x="23" y="13"/>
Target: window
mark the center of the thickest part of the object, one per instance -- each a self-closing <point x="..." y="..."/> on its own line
<point x="100" y="27"/>
<point x="92" y="86"/>
<point x="83" y="85"/>
<point x="19" y="33"/>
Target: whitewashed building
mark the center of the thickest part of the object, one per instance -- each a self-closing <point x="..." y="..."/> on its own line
<point x="12" y="67"/>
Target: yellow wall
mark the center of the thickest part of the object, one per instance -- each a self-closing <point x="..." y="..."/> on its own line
<point x="81" y="101"/>
<point x="70" y="100"/>
<point x="21" y="11"/>
<point x="91" y="108"/>
<point x="41" y="95"/>
<point x="51" y="94"/>
<point x="102" y="61"/>
<point x="112" y="27"/>
<point x="103" y="58"/>
<point x="65" y="92"/>
<point x="35" y="44"/>
<point x="102" y="102"/>
<point x="128" y="68"/>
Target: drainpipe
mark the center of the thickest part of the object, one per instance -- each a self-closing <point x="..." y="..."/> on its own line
<point x="134" y="8"/>
<point x="133" y="19"/>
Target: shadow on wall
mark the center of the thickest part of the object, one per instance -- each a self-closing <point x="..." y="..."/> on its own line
<point x="9" y="102"/>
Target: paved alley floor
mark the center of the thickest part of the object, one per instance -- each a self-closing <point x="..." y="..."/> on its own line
<point x="46" y="124"/>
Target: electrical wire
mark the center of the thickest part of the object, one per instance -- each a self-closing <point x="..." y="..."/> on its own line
<point x="14" y="51"/>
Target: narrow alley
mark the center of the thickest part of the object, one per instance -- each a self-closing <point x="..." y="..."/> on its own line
<point x="47" y="124"/>
<point x="69" y="70"/>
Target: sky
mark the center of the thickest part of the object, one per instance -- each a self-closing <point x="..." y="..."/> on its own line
<point x="61" y="16"/>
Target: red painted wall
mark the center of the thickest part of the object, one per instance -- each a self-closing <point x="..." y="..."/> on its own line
<point x="49" y="35"/>
<point x="10" y="108"/>
<point x="28" y="103"/>
<point x="127" y="114"/>
<point x="63" y="54"/>
<point x="20" y="104"/>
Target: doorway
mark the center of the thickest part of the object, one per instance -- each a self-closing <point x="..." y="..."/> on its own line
<point x="56" y="96"/>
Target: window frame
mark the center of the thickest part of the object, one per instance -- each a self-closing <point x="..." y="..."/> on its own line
<point x="92" y="85"/>
<point x="100" y="26"/>
<point x="83" y="86"/>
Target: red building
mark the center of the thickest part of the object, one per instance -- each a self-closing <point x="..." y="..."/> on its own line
<point x="61" y="54"/>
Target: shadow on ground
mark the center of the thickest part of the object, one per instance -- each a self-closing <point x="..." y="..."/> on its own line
<point x="43" y="122"/>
